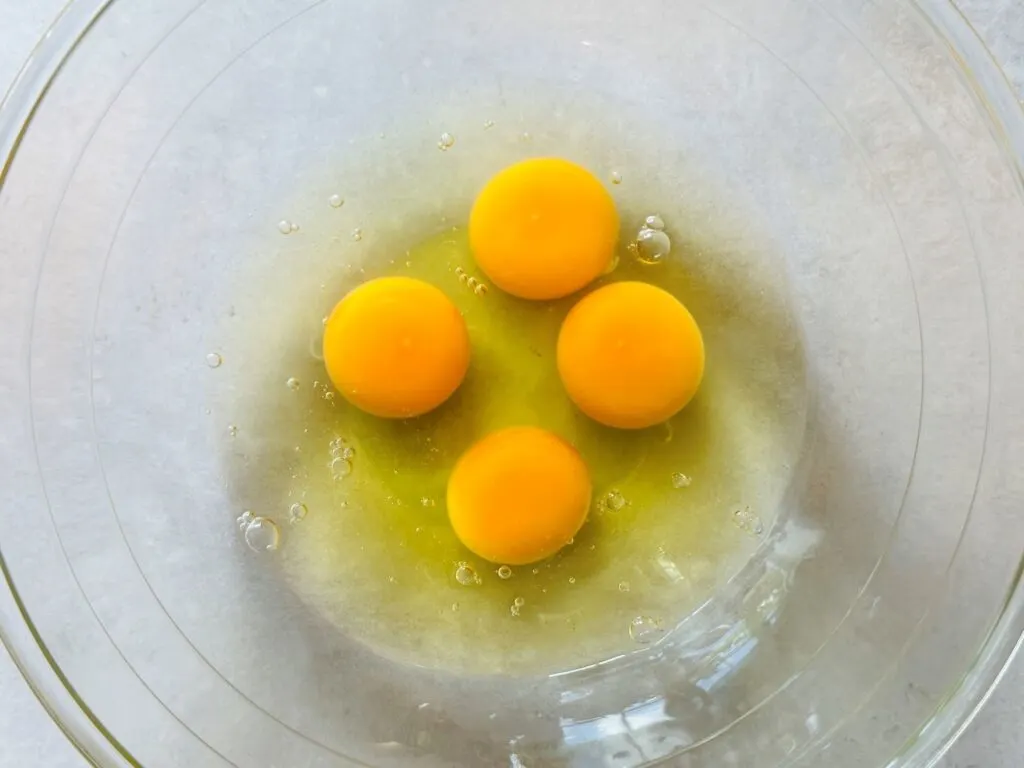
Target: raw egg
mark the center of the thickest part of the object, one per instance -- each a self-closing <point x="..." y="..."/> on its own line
<point x="630" y="355"/>
<point x="396" y="347"/>
<point x="543" y="228"/>
<point x="518" y="495"/>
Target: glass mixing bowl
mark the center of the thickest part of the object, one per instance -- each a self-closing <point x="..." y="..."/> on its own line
<point x="859" y="159"/>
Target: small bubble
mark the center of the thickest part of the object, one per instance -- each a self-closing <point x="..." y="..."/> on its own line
<point x="517" y="606"/>
<point x="426" y="501"/>
<point x="214" y="360"/>
<point x="480" y="289"/>
<point x="614" y="501"/>
<point x="472" y="283"/>
<point x="572" y="579"/>
<point x="616" y="177"/>
<point x="293" y="384"/>
<point x="645" y="630"/>
<point x="297" y="512"/>
<point x="504" y="572"/>
<point x="747" y="520"/>
<point x="652" y="245"/>
<point x="623" y="586"/>
<point x="654" y="221"/>
<point x="460" y="271"/>
<point x="244" y="519"/>
<point x="335" y="201"/>
<point x="455" y="606"/>
<point x="679" y="480"/>
<point x="466" y="575"/>
<point x="232" y="430"/>
<point x="526" y="136"/>
<point x="519" y="601"/>
<point x="488" y="124"/>
<point x="340" y="448"/>
<point x="294" y="227"/>
<point x="464" y="278"/>
<point x="536" y="571"/>
<point x="340" y="468"/>
<point x="262" y="535"/>
<point x="316" y="346"/>
<point x="446" y="142"/>
<point x="285" y="227"/>
<point x="357" y="234"/>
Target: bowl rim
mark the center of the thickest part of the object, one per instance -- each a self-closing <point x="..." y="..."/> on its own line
<point x="99" y="746"/>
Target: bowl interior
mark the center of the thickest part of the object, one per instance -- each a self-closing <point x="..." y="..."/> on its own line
<point x="844" y="212"/>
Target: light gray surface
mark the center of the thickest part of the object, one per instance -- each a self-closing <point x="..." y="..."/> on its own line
<point x="29" y="738"/>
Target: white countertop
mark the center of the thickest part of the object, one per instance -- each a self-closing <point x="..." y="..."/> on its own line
<point x="29" y="738"/>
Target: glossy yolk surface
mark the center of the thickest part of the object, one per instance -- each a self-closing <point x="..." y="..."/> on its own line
<point x="543" y="228"/>
<point x="396" y="347"/>
<point x="630" y="355"/>
<point x="518" y="495"/>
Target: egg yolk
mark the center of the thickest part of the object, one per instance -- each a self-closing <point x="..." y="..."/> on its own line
<point x="543" y="228"/>
<point x="630" y="355"/>
<point x="518" y="495"/>
<point x="396" y="347"/>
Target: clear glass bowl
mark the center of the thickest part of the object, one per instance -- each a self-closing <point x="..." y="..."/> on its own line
<point x="150" y="150"/>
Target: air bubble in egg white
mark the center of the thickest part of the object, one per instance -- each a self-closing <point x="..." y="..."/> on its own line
<point x="446" y="142"/>
<point x="286" y="227"/>
<point x="614" y="501"/>
<point x="652" y="245"/>
<point x="654" y="221"/>
<point x="504" y="572"/>
<point x="340" y="468"/>
<point x="357" y="234"/>
<point x="316" y="345"/>
<point x="214" y="360"/>
<point x="262" y="535"/>
<point x="232" y="430"/>
<point x="243" y="520"/>
<point x="293" y="384"/>
<point x="679" y="480"/>
<point x="645" y="630"/>
<point x="340" y="448"/>
<point x="335" y="201"/>
<point x="466" y="576"/>
<point x="616" y="177"/>
<point x="748" y="520"/>
<point x="480" y="289"/>
<point x="297" y="512"/>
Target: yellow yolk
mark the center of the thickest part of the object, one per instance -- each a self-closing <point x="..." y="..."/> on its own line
<point x="543" y="228"/>
<point x="630" y="355"/>
<point x="396" y="347"/>
<point x="518" y="495"/>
